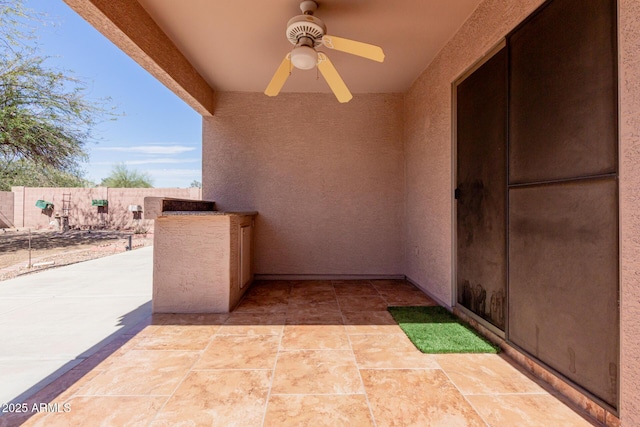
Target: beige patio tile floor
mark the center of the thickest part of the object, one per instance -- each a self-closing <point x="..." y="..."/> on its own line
<point x="316" y="353"/>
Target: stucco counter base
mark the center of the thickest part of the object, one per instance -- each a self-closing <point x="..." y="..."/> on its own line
<point x="201" y="261"/>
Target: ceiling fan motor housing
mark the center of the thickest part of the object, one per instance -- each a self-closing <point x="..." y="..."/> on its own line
<point x="306" y="26"/>
<point x="306" y="33"/>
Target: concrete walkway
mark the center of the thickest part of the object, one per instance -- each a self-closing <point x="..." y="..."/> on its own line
<point x="53" y="320"/>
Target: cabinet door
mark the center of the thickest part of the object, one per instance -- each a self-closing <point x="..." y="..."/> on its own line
<point x="245" y="256"/>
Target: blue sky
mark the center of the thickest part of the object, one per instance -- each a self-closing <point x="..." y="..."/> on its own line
<point x="158" y="133"/>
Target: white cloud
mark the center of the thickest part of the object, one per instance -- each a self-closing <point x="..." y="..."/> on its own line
<point x="159" y="161"/>
<point x="148" y="162"/>
<point x="150" y="149"/>
<point x="175" y="173"/>
<point x="170" y="178"/>
<point x="145" y="162"/>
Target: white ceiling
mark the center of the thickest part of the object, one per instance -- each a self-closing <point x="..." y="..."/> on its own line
<point x="236" y="45"/>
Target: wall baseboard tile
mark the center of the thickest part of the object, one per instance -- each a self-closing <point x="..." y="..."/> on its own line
<point x="559" y="387"/>
<point x="429" y="294"/>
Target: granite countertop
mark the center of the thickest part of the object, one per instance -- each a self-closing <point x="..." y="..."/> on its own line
<point x="208" y="213"/>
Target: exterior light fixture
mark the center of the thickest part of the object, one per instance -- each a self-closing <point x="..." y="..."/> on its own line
<point x="304" y="57"/>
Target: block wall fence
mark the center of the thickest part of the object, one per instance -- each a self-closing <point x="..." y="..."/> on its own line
<point x="18" y="208"/>
<point x="6" y="209"/>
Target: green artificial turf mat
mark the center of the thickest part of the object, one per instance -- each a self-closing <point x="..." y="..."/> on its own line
<point x="435" y="330"/>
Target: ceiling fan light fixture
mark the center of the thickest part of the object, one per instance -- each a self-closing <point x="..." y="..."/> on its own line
<point x="306" y="33"/>
<point x="304" y="57"/>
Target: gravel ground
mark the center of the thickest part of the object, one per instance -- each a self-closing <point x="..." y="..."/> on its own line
<point x="50" y="249"/>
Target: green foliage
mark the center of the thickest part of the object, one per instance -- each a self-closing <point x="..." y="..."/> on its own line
<point x="40" y="118"/>
<point x="27" y="173"/>
<point x="195" y="184"/>
<point x="45" y="117"/>
<point x="13" y="31"/>
<point x="123" y="177"/>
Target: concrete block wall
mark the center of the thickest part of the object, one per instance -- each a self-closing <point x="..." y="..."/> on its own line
<point x="18" y="206"/>
<point x="81" y="213"/>
<point x="121" y="198"/>
<point x="6" y="209"/>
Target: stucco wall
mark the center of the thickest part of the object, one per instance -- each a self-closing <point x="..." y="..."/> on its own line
<point x="326" y="178"/>
<point x="6" y="209"/>
<point x="629" y="68"/>
<point x="183" y="285"/>
<point x="121" y="198"/>
<point x="428" y="143"/>
<point x="81" y="213"/>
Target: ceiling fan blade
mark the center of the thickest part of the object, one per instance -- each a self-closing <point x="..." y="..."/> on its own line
<point x="353" y="47"/>
<point x="280" y="77"/>
<point x="332" y="77"/>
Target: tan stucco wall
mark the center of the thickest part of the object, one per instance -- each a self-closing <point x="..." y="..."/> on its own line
<point x="629" y="68"/>
<point x="326" y="178"/>
<point x="428" y="143"/>
<point x="81" y="213"/>
<point x="184" y="285"/>
<point x="18" y="206"/>
<point x="6" y="209"/>
<point x="121" y="198"/>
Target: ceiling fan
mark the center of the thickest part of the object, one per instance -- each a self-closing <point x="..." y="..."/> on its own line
<point x="306" y="33"/>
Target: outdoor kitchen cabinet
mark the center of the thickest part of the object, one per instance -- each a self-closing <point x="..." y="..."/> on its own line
<point x="202" y="261"/>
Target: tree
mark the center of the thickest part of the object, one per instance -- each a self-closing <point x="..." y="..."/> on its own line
<point x="122" y="177"/>
<point x="45" y="118"/>
<point x="195" y="184"/>
<point x="26" y="173"/>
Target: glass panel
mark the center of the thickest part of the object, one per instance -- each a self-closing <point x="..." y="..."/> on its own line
<point x="563" y="279"/>
<point x="563" y="93"/>
<point x="481" y="178"/>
